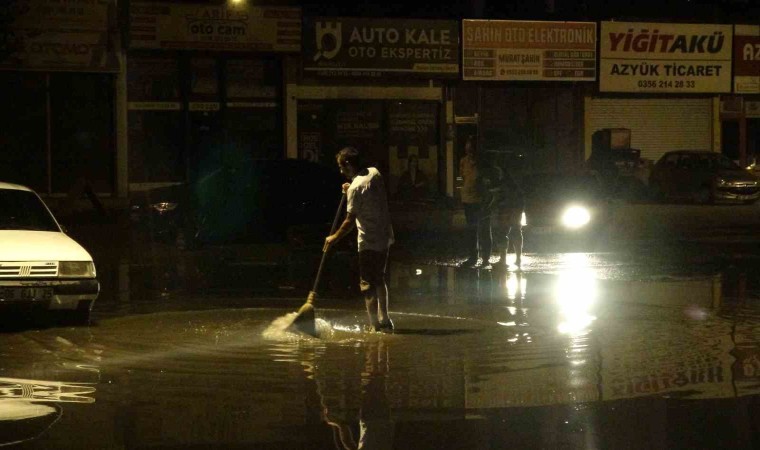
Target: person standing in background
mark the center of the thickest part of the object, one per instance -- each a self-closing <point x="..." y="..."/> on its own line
<point x="478" y="226"/>
<point x="511" y="206"/>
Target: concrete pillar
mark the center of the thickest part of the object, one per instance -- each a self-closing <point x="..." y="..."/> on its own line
<point x="290" y="105"/>
<point x="716" y="124"/>
<point x="743" y="159"/>
<point x="587" y="131"/>
<point x="449" y="142"/>
<point x="120" y="115"/>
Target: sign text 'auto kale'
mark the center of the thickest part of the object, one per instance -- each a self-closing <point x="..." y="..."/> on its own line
<point x="370" y="47"/>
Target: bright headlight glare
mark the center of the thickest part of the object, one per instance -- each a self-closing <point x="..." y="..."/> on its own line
<point x="576" y="217"/>
<point x="76" y="269"/>
<point x="164" y="206"/>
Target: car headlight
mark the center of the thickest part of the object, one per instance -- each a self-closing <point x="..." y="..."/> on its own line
<point x="576" y="217"/>
<point x="76" y="269"/>
<point x="163" y="207"/>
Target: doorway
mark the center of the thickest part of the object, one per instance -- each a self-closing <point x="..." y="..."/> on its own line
<point x="729" y="145"/>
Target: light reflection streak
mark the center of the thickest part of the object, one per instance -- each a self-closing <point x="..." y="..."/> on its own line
<point x="575" y="294"/>
<point x="516" y="286"/>
<point x="46" y="390"/>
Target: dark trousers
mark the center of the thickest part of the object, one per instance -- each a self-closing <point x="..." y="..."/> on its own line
<point x="479" y="238"/>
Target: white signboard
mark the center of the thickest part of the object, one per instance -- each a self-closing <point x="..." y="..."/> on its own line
<point x="56" y="35"/>
<point x="747" y="59"/>
<point x="227" y="26"/>
<point x="528" y="50"/>
<point x="665" y="57"/>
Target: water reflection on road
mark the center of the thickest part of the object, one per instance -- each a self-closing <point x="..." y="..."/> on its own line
<point x="573" y="352"/>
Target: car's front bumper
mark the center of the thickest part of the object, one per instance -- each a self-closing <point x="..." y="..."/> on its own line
<point x="737" y="193"/>
<point x="49" y="294"/>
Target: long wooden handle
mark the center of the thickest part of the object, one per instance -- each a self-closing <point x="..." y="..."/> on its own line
<point x="324" y="254"/>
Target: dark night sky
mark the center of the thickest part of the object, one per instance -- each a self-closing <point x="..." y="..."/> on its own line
<point x="740" y="11"/>
<point x="726" y="11"/>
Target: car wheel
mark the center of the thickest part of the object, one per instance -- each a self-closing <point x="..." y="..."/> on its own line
<point x="703" y="195"/>
<point x="82" y="318"/>
<point x="79" y="316"/>
<point x="75" y="318"/>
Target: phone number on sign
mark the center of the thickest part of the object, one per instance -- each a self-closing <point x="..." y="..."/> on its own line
<point x="669" y="84"/>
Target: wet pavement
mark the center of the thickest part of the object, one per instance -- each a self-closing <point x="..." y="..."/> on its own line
<point x="652" y="346"/>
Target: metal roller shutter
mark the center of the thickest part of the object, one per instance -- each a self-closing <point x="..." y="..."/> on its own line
<point x="657" y="125"/>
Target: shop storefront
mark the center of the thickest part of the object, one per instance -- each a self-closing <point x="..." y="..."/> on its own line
<point x="397" y="136"/>
<point x="205" y="87"/>
<point x="58" y="72"/>
<point x="378" y="85"/>
<point x="660" y="81"/>
<point x="522" y="93"/>
<point x="529" y="128"/>
<point x="657" y="124"/>
<point x="740" y="113"/>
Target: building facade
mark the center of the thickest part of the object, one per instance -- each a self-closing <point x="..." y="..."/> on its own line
<point x="132" y="95"/>
<point x="60" y="67"/>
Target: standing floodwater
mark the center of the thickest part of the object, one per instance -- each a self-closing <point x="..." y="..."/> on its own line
<point x="576" y="351"/>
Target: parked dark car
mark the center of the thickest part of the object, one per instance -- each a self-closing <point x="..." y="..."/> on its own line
<point x="702" y="177"/>
<point x="255" y="201"/>
<point x="574" y="208"/>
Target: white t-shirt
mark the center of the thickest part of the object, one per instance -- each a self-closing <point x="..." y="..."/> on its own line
<point x="368" y="202"/>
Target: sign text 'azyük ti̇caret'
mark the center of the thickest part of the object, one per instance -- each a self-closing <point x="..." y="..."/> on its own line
<point x="651" y="57"/>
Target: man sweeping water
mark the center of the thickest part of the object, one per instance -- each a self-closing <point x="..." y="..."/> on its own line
<point x="367" y="209"/>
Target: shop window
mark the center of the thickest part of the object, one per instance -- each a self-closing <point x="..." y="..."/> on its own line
<point x="82" y="131"/>
<point x="233" y="111"/>
<point x="413" y="157"/>
<point x="324" y="127"/>
<point x="23" y="129"/>
<point x="207" y="150"/>
<point x="155" y="146"/>
<point x="466" y="101"/>
<point x="753" y="141"/>
<point x="253" y="109"/>
<point x="401" y="139"/>
<point x="155" y="119"/>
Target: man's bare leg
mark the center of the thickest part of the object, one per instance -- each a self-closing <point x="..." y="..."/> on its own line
<point x="370" y="301"/>
<point x="382" y="302"/>
<point x="505" y="251"/>
<point x="518" y="243"/>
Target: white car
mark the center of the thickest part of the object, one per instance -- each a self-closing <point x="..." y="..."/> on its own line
<point x="41" y="268"/>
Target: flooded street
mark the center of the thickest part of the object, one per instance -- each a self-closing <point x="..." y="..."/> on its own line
<point x="583" y="350"/>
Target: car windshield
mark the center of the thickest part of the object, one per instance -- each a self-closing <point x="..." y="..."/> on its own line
<point x="721" y="162"/>
<point x="708" y="161"/>
<point x="23" y="210"/>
